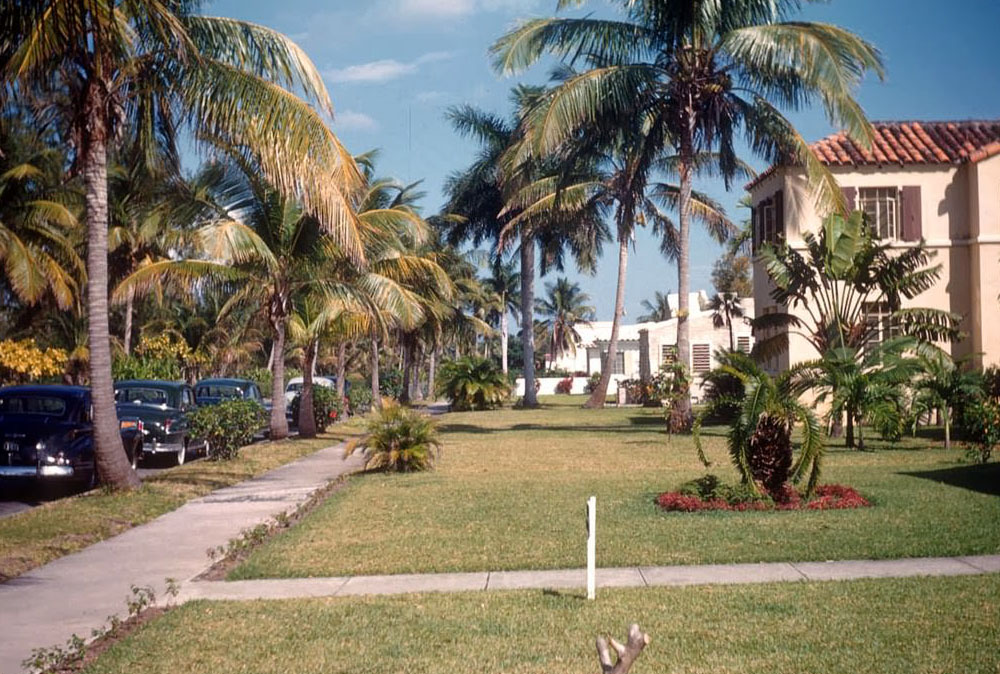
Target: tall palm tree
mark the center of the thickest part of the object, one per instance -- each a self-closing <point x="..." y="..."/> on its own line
<point x="725" y="307"/>
<point x="505" y="281"/>
<point x="152" y="67"/>
<point x="658" y="309"/>
<point x="696" y="72"/>
<point x="563" y="309"/>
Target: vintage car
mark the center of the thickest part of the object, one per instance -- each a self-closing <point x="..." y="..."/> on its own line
<point x="46" y="436"/>
<point x="214" y="391"/>
<point x="162" y="406"/>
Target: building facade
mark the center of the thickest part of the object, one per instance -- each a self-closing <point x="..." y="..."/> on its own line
<point x="933" y="181"/>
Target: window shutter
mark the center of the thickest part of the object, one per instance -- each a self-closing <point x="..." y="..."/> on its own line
<point x="779" y="216"/>
<point x="910" y="207"/>
<point x="701" y="358"/>
<point x="849" y="196"/>
<point x="754" y="238"/>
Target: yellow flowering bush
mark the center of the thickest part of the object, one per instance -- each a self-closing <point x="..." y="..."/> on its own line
<point x="22" y="361"/>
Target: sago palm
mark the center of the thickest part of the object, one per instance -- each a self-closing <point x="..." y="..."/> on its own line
<point x="153" y="67"/>
<point x="697" y="73"/>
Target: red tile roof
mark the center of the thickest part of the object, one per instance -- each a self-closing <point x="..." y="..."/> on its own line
<point x="909" y="143"/>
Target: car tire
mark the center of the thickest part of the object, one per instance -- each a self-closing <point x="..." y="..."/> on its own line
<point x="181" y="455"/>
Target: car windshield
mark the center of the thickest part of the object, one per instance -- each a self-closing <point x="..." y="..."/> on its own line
<point x="142" y="396"/>
<point x="33" y="404"/>
<point x="294" y="388"/>
<point x="219" y="391"/>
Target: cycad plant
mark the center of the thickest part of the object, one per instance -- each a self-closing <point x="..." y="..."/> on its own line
<point x="472" y="383"/>
<point x="760" y="434"/>
<point x="398" y="440"/>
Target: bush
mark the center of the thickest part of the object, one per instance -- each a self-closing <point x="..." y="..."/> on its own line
<point x="982" y="425"/>
<point x="227" y="427"/>
<point x="472" y="384"/>
<point x="390" y="383"/>
<point x="359" y="398"/>
<point x="260" y="376"/>
<point x="328" y="407"/>
<point x="398" y="440"/>
<point x="21" y="361"/>
<point x="592" y="382"/>
<point x="143" y="367"/>
<point x="565" y="386"/>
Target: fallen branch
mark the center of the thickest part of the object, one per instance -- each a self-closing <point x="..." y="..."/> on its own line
<point x="627" y="654"/>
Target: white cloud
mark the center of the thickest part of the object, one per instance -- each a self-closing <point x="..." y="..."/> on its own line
<point x="434" y="8"/>
<point x="383" y="70"/>
<point x="349" y="120"/>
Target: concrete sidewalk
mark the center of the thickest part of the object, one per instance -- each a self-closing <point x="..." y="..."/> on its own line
<point x="635" y="576"/>
<point x="77" y="593"/>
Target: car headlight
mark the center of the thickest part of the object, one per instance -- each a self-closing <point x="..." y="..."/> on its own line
<point x="53" y="458"/>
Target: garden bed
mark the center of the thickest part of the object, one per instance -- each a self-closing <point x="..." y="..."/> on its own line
<point x="826" y="497"/>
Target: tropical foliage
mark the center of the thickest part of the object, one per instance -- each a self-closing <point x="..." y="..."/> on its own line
<point x="472" y="383"/>
<point x="399" y="440"/>
<point x="564" y="307"/>
<point x="657" y="309"/>
<point x="23" y="361"/>
<point x="226" y="427"/>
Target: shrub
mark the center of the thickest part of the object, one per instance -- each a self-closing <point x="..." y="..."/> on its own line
<point x="595" y="377"/>
<point x="565" y="386"/>
<point x="144" y="367"/>
<point x="398" y="440"/>
<point x="472" y="384"/>
<point x="227" y="426"/>
<point x="982" y="426"/>
<point x="328" y="407"/>
<point x="359" y="398"/>
<point x="21" y="361"/>
<point x="991" y="382"/>
<point x="260" y="376"/>
<point x="390" y="383"/>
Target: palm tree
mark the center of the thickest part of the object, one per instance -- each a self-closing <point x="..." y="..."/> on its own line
<point x="944" y="385"/>
<point x="505" y="282"/>
<point x="564" y="308"/>
<point x="152" y="67"/>
<point x="691" y="74"/>
<point x="725" y="307"/>
<point x="658" y="309"/>
<point x="760" y="433"/>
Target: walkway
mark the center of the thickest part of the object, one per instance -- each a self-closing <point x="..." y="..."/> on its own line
<point x="633" y="576"/>
<point x="77" y="593"/>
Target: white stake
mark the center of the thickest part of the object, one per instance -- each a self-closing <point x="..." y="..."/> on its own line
<point x="591" y="547"/>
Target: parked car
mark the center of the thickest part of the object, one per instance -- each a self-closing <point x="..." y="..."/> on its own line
<point x="214" y="391"/>
<point x="46" y="436"/>
<point x="162" y="406"/>
<point x="295" y="385"/>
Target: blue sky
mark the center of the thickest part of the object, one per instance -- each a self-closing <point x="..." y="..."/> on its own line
<point x="394" y="66"/>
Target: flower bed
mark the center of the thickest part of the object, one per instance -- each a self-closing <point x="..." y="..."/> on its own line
<point x="826" y="497"/>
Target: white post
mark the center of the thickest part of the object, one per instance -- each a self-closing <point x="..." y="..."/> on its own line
<point x="591" y="547"/>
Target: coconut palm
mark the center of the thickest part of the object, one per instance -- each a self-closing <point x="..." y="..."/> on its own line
<point x="151" y="67"/>
<point x="695" y="73"/>
<point x="760" y="433"/>
<point x="658" y="309"/>
<point x="505" y="282"/>
<point x="725" y="307"/>
<point x="564" y="308"/>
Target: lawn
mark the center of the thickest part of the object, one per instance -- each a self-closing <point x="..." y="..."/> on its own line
<point x="905" y="626"/>
<point x="34" y="537"/>
<point x="511" y="486"/>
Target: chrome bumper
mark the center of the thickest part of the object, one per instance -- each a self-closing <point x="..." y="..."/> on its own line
<point x="155" y="447"/>
<point x="36" y="471"/>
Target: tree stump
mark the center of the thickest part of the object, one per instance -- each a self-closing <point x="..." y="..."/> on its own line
<point x="627" y="654"/>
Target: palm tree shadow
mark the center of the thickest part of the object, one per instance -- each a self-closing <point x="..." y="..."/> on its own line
<point x="978" y="478"/>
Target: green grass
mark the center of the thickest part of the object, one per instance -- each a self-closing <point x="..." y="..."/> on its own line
<point x="904" y="626"/>
<point x="34" y="537"/>
<point x="510" y="489"/>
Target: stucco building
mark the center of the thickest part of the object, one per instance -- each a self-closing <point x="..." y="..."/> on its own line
<point x="936" y="181"/>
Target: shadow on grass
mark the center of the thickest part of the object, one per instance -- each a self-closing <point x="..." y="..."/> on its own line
<point x="983" y="479"/>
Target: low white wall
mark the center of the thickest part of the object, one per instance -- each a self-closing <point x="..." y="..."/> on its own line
<point x="548" y="384"/>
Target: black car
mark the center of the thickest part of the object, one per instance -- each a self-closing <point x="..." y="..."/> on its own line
<point x="214" y="391"/>
<point x="162" y="406"/>
<point x="46" y="435"/>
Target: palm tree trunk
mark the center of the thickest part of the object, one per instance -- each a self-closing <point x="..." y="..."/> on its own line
<point x="732" y="338"/>
<point x="417" y="362"/>
<point x="307" y="415"/>
<point x="279" y="424"/>
<point x="682" y="405"/>
<point x="111" y="462"/>
<point x="600" y="393"/>
<point x="432" y="375"/>
<point x="376" y="391"/>
<point x="849" y="435"/>
<point x="947" y="427"/>
<point x="503" y="334"/>
<point x="341" y="368"/>
<point x="527" y="317"/>
<point x="407" y="367"/>
<point x="127" y="337"/>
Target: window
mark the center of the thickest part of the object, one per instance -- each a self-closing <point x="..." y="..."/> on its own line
<point x="767" y="225"/>
<point x="619" y="365"/>
<point x="881" y="205"/>
<point x="878" y="323"/>
<point x="770" y="364"/>
<point x="701" y="358"/>
<point x="743" y="343"/>
<point x="668" y="354"/>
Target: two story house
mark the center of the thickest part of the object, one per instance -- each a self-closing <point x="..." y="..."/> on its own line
<point x="936" y="181"/>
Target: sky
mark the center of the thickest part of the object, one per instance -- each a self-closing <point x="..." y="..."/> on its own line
<point x="394" y="67"/>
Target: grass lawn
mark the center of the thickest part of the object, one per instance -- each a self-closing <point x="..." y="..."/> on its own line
<point x="905" y="626"/>
<point x="34" y="537"/>
<point x="511" y="486"/>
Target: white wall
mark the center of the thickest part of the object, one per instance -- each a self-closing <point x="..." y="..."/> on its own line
<point x="548" y="384"/>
